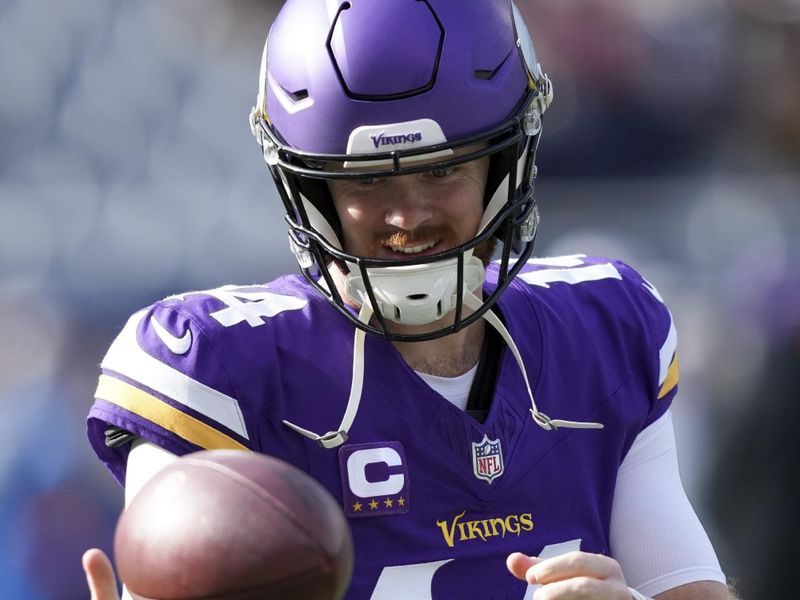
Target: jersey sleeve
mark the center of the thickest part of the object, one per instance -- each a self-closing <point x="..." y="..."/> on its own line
<point x="162" y="380"/>
<point x="659" y="337"/>
<point x="615" y="324"/>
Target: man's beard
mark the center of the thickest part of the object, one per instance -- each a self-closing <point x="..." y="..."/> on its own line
<point x="485" y="250"/>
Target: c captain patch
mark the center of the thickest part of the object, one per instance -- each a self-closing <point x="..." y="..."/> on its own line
<point x="487" y="459"/>
<point x="374" y="479"/>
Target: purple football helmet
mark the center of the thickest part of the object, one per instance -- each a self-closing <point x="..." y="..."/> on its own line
<point x="364" y="88"/>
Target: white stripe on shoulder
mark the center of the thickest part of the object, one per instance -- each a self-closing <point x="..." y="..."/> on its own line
<point x="126" y="357"/>
<point x="667" y="351"/>
<point x="571" y="275"/>
<point x="652" y="289"/>
<point x="567" y="260"/>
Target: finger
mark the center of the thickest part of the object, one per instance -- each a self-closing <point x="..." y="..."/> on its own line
<point x="99" y="575"/>
<point x="577" y="588"/>
<point x="574" y="564"/>
<point x="519" y="564"/>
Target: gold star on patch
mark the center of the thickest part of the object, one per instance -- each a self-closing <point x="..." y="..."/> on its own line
<point x="373" y="504"/>
<point x="401" y="501"/>
<point x="357" y="507"/>
<point x="388" y="502"/>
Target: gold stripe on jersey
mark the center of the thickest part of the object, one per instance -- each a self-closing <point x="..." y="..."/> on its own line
<point x="672" y="378"/>
<point x="126" y="357"/>
<point x="159" y="412"/>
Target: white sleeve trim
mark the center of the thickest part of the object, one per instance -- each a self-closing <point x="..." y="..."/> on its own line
<point x="655" y="534"/>
<point x="666" y="352"/>
<point x="126" y="356"/>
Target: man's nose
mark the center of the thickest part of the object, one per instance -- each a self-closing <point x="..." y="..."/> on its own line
<point x="409" y="206"/>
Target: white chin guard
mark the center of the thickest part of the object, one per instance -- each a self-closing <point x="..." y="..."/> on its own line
<point x="416" y="294"/>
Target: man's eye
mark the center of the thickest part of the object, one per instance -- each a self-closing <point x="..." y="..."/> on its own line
<point x="368" y="181"/>
<point x="441" y="171"/>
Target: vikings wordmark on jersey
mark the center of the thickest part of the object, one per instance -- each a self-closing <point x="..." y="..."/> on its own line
<point x="436" y="499"/>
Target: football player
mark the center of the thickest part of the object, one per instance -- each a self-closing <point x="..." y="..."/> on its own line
<point x="493" y="425"/>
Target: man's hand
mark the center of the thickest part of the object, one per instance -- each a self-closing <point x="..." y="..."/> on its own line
<point x="571" y="576"/>
<point x="100" y="575"/>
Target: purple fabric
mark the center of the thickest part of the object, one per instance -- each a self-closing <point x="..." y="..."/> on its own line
<point x="591" y="351"/>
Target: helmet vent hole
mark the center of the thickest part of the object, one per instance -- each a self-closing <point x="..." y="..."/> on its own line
<point x="298" y="95"/>
<point x="417" y="296"/>
<point x="487" y="74"/>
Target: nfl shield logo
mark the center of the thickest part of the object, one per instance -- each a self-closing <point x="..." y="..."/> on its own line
<point x="487" y="459"/>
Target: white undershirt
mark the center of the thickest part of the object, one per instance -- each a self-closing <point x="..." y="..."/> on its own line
<point x="654" y="534"/>
<point x="455" y="389"/>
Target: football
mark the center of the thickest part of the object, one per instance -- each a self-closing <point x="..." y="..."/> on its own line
<point x="227" y="525"/>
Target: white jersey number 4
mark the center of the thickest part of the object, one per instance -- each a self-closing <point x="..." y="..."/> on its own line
<point x="413" y="582"/>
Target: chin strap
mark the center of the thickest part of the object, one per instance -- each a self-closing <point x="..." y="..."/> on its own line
<point x="332" y="439"/>
<point x="541" y="419"/>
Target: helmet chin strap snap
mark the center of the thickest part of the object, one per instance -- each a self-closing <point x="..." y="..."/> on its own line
<point x="333" y="439"/>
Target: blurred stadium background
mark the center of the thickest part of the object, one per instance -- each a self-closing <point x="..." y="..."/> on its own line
<point x="127" y="173"/>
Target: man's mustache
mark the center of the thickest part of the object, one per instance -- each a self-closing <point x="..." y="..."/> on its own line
<point x="417" y="237"/>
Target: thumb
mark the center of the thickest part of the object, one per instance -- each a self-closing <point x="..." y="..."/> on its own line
<point x="100" y="575"/>
<point x="519" y="563"/>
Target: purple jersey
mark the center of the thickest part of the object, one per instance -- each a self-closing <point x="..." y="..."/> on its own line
<point x="436" y="500"/>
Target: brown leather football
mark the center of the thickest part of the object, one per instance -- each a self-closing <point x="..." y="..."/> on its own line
<point x="233" y="525"/>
